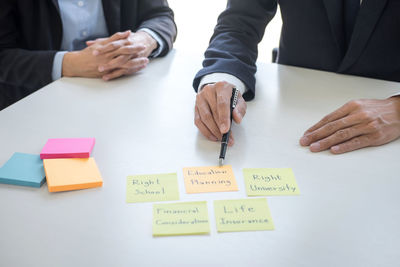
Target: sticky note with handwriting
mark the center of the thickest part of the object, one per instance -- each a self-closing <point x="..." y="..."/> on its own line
<point x="209" y="179"/>
<point x="183" y="218"/>
<point x="152" y="187"/>
<point x="270" y="182"/>
<point x="242" y="215"/>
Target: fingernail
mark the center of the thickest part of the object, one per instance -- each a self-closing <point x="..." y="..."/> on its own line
<point x="304" y="141"/>
<point x="315" y="146"/>
<point x="95" y="52"/>
<point x="335" y="149"/>
<point x="101" y="68"/>
<point x="105" y="78"/>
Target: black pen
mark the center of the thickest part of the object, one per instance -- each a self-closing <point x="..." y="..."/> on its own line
<point x="225" y="137"/>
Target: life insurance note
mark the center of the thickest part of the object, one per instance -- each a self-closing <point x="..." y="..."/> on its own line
<point x="209" y="179"/>
<point x="243" y="215"/>
<point x="270" y="182"/>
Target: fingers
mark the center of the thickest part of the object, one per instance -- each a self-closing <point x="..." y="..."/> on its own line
<point x="98" y="40"/>
<point x="134" y="50"/>
<point x="224" y="94"/>
<point x="368" y="122"/>
<point x="115" y="63"/>
<point x="337" y="114"/>
<point x="353" y="144"/>
<point x="240" y="110"/>
<point x="202" y="127"/>
<point x="214" y="111"/>
<point x="135" y="64"/>
<point x="117" y="36"/>
<point x="111" y="46"/>
<point x="132" y="66"/>
<point x="341" y="136"/>
<point x="207" y="118"/>
<point x="231" y="140"/>
<point x="329" y="129"/>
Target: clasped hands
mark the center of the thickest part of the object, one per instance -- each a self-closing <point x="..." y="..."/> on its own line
<point x="121" y="54"/>
<point x="355" y="125"/>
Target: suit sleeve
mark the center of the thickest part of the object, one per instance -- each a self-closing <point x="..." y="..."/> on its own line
<point x="233" y="46"/>
<point x="158" y="17"/>
<point x="22" y="71"/>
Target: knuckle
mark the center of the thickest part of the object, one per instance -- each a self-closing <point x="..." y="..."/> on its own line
<point x="365" y="115"/>
<point x="343" y="134"/>
<point x="208" y="87"/>
<point x="221" y="84"/>
<point x="355" y="104"/>
<point x="325" y="119"/>
<point x="356" y="142"/>
<point x="222" y="102"/>
<point x="207" y="116"/>
<point x="374" y="126"/>
<point x="330" y="127"/>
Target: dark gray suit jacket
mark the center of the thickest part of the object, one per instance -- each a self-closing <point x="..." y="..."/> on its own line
<point x="31" y="34"/>
<point x="313" y="36"/>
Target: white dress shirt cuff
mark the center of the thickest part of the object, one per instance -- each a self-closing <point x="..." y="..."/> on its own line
<point x="159" y="40"/>
<point x="57" y="65"/>
<point x="219" y="77"/>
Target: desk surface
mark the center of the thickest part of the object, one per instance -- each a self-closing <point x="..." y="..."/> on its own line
<point x="347" y="214"/>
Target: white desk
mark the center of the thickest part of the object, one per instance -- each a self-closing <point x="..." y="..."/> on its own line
<point x="347" y="214"/>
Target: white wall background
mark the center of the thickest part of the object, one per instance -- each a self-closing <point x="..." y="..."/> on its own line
<point x="196" y="20"/>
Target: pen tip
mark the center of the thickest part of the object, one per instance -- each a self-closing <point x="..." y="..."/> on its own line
<point x="221" y="162"/>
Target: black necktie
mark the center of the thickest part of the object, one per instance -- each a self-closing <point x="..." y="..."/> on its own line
<point x="351" y="8"/>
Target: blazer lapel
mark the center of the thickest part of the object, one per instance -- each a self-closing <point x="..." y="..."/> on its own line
<point x="334" y="10"/>
<point x="112" y="14"/>
<point x="368" y="16"/>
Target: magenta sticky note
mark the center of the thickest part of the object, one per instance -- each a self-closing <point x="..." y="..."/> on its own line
<point x="67" y="148"/>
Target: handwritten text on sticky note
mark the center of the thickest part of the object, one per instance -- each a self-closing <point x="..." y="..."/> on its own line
<point x="270" y="182"/>
<point x="182" y="218"/>
<point x="242" y="215"/>
<point x="152" y="187"/>
<point x="209" y="179"/>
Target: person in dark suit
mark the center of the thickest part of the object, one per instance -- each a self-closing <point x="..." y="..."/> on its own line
<point x="41" y="41"/>
<point x="344" y="36"/>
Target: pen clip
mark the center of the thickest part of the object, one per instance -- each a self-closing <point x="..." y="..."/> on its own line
<point x="234" y="99"/>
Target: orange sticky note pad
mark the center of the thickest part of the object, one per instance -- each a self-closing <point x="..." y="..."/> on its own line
<point x="71" y="174"/>
<point x="209" y="179"/>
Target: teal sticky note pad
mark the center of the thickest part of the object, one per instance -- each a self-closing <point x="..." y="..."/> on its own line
<point x="23" y="169"/>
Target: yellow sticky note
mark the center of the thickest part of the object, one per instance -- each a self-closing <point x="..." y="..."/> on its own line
<point x="152" y="187"/>
<point x="270" y="182"/>
<point x="242" y="215"/>
<point x="71" y="174"/>
<point x="185" y="218"/>
<point x="209" y="179"/>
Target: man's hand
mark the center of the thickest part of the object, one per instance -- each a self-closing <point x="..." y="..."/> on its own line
<point x="107" y="58"/>
<point x="355" y="125"/>
<point x="130" y="53"/>
<point x="85" y="63"/>
<point x="212" y="110"/>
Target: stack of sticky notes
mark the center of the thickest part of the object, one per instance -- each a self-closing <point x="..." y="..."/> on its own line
<point x="23" y="169"/>
<point x="68" y="165"/>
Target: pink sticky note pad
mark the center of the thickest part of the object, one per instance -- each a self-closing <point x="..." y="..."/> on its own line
<point x="67" y="148"/>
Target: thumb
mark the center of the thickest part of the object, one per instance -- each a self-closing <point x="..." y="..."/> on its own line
<point x="240" y="110"/>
